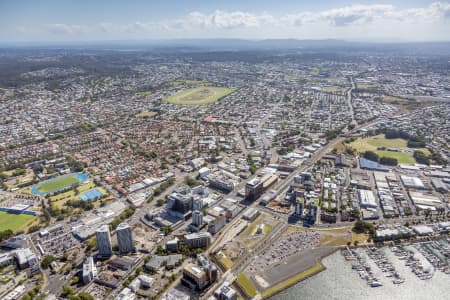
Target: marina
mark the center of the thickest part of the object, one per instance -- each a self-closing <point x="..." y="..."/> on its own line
<point x="340" y="276"/>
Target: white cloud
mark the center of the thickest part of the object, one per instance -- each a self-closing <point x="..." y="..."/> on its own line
<point x="64" y="29"/>
<point x="219" y="20"/>
<point x="355" y="14"/>
<point x="346" y="22"/>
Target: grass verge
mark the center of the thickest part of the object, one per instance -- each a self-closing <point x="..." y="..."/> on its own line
<point x="246" y="285"/>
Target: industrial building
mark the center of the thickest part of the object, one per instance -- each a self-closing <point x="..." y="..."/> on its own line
<point x="439" y="185"/>
<point x="412" y="182"/>
<point x="367" y="199"/>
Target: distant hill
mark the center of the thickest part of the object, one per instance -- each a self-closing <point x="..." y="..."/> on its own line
<point x="194" y="45"/>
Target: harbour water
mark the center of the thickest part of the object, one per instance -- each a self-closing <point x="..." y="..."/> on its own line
<point x="340" y="281"/>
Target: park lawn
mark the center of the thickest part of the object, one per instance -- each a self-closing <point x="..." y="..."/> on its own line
<point x="57" y="183"/>
<point x="246" y="285"/>
<point x="401" y="157"/>
<point x="293" y="280"/>
<point x="199" y="95"/>
<point x="373" y="143"/>
<point x="381" y="141"/>
<point x="15" y="222"/>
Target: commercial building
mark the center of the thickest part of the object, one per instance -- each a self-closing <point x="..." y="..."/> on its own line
<point x="122" y="263"/>
<point x="25" y="258"/>
<point x="141" y="282"/>
<point x="124" y="238"/>
<point x="225" y="292"/>
<point x="103" y="241"/>
<point x="253" y="189"/>
<point x="198" y="240"/>
<point x="5" y="259"/>
<point x="218" y="223"/>
<point x="201" y="274"/>
<point x="175" y="294"/>
<point x="194" y="277"/>
<point x="172" y="245"/>
<point x="197" y="218"/>
<point x="180" y="201"/>
<point x="126" y="294"/>
<point x="251" y="214"/>
<point x="156" y="262"/>
<point x="220" y="182"/>
<point x="15" y="242"/>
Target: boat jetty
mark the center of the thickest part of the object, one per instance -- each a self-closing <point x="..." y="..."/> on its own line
<point x="412" y="262"/>
<point x="378" y="256"/>
<point x="361" y="266"/>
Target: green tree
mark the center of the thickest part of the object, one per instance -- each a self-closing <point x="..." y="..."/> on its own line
<point x="67" y="291"/>
<point x="370" y="155"/>
<point x="421" y="158"/>
<point x="388" y="161"/>
<point x="47" y="261"/>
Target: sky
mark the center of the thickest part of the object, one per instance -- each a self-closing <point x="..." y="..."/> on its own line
<point x="113" y="20"/>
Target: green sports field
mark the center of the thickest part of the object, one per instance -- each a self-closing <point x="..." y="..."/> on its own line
<point x="373" y="143"/>
<point x="57" y="183"/>
<point x="14" y="222"/>
<point x="199" y="95"/>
